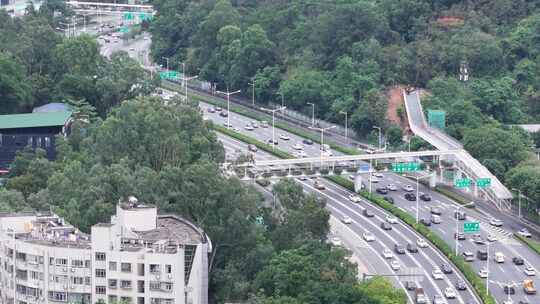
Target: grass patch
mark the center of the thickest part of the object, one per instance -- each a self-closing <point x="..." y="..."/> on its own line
<point x="534" y="245"/>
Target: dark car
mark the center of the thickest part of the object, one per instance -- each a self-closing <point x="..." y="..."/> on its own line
<point x="211" y="110"/>
<point x="308" y="141"/>
<point x="410" y="196"/>
<point x="435" y="210"/>
<point x="410" y="285"/>
<point x="270" y="142"/>
<point x="460" y="236"/>
<point x="425" y="222"/>
<point x="509" y="289"/>
<point x="411" y="247"/>
<point x="446" y="268"/>
<point x="368" y="213"/>
<point x="517" y="260"/>
<point x="460" y="215"/>
<point x="482" y="255"/>
<point x="389" y="199"/>
<point x="399" y="249"/>
<point x="461" y="285"/>
<point x="382" y="190"/>
<point x="223" y="114"/>
<point x="386" y="226"/>
<point x="425" y="197"/>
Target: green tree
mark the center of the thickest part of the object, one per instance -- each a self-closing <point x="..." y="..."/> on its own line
<point x="14" y="91"/>
<point x="381" y="291"/>
<point x="370" y="112"/>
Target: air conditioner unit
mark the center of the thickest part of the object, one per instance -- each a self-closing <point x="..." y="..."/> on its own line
<point x="72" y="269"/>
<point x="158" y="277"/>
<point x="64" y="269"/>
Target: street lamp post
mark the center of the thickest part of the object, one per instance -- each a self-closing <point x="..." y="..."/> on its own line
<point x="457" y="222"/>
<point x="519" y="201"/>
<point x="167" y="60"/>
<point x="487" y="269"/>
<point x="228" y="104"/>
<point x="345" y="113"/>
<point x="282" y="100"/>
<point x="322" y="138"/>
<point x="273" y="122"/>
<point x="312" y="114"/>
<point x="186" y="79"/>
<point x="418" y="178"/>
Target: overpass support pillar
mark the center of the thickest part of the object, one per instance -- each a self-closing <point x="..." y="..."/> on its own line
<point x="433" y="180"/>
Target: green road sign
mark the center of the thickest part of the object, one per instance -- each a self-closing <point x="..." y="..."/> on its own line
<point x="470" y="227"/>
<point x="406" y="167"/>
<point x="124" y="29"/>
<point x="128" y="16"/>
<point x="173" y="75"/>
<point x="483" y="182"/>
<point x="437" y="119"/>
<point x="462" y="182"/>
<point x="145" y="16"/>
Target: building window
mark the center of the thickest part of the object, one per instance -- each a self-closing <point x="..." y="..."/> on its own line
<point x="140" y="286"/>
<point x="140" y="269"/>
<point x="61" y="262"/>
<point x="154" y="285"/>
<point x="126" y="267"/>
<point x="100" y="273"/>
<point x="100" y="256"/>
<point x="154" y="268"/>
<point x="58" y="296"/>
<point x="113" y="283"/>
<point x="77" y="263"/>
<point x="140" y="300"/>
<point x="167" y="286"/>
<point x="87" y="281"/>
<point x="38" y="145"/>
<point x="0" y="139"/>
<point x="168" y="268"/>
<point x="125" y="284"/>
<point x="51" y="261"/>
<point x="34" y="275"/>
<point x="77" y="280"/>
<point x="86" y="263"/>
<point x="30" y="141"/>
<point x="47" y="141"/>
<point x="112" y="266"/>
<point x="101" y="289"/>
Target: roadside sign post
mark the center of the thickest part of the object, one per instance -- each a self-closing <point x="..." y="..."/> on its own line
<point x="471" y="227"/>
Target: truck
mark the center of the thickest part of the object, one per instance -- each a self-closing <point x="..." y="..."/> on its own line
<point x="421" y="297"/>
<point x="528" y="287"/>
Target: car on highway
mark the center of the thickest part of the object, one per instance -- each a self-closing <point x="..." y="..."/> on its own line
<point x="355" y="199"/>
<point x="218" y="109"/>
<point x="132" y="49"/>
<point x="254" y="124"/>
<point x="422" y="243"/>
<point x="346" y="220"/>
<point x="284" y="137"/>
<point x="264" y="124"/>
<point x="509" y="289"/>
<point x="368" y="213"/>
<point x="425" y="222"/>
<point x="468" y="256"/>
<point x="412" y="248"/>
<point x="395" y="265"/>
<point x="408" y="188"/>
<point x="389" y="199"/>
<point x="460" y="215"/>
<point x="483" y="273"/>
<point x="211" y="110"/>
<point x="495" y="222"/>
<point x="387" y="253"/>
<point x="435" y="219"/>
<point x="227" y="125"/>
<point x="318" y="185"/>
<point x="378" y="174"/>
<point x="529" y="271"/>
<point x="460" y="236"/>
<point x="235" y="129"/>
<point x="374" y="179"/>
<point x="437" y="274"/>
<point x="382" y="190"/>
<point x="335" y="241"/>
<point x="327" y="153"/>
<point x="399" y="249"/>
<point x="524" y="232"/>
<point x="498" y="257"/>
<point x="438" y="299"/>
<point x="482" y="255"/>
<point x="300" y="154"/>
<point x="223" y="114"/>
<point x="249" y="127"/>
<point x="461" y="285"/>
<point x="518" y="261"/>
<point x="450" y="293"/>
<point x="391" y="187"/>
<point x="252" y="148"/>
<point x="446" y="268"/>
<point x="425" y="197"/>
<point x="298" y="146"/>
<point x="368" y="236"/>
<point x="435" y="210"/>
<point x="270" y="141"/>
<point x="307" y="141"/>
<point x="410" y="285"/>
<point x="410" y="197"/>
<point x="386" y="226"/>
<point x="491" y="238"/>
<point x="391" y="219"/>
<point x="477" y="239"/>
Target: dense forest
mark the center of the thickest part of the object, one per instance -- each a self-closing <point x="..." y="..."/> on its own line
<point x="345" y="55"/>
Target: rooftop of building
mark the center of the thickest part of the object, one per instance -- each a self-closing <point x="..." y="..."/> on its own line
<point x="175" y="229"/>
<point x="34" y="120"/>
<point x="53" y="107"/>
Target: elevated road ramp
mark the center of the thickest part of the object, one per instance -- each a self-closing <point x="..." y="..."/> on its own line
<point x="497" y="193"/>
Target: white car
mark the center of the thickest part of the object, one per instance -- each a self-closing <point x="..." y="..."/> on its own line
<point x="254" y="124"/>
<point x="249" y="127"/>
<point x="529" y="270"/>
<point x="378" y="174"/>
<point x="336" y="242"/>
<point x="395" y="265"/>
<point x="236" y="129"/>
<point x="491" y="238"/>
<point x="438" y="299"/>
<point x="368" y="237"/>
<point x="391" y="219"/>
<point x="346" y="220"/>
<point x="437" y="274"/>
<point x="298" y="147"/>
<point x="421" y="243"/>
<point x="450" y="293"/>
<point x="299" y="154"/>
<point x="374" y="180"/>
<point x="483" y="273"/>
<point x="495" y="222"/>
<point x="327" y="153"/>
<point x="284" y="137"/>
<point x="391" y="187"/>
<point x="524" y="233"/>
<point x="408" y="188"/>
<point x="387" y="253"/>
<point x="354" y="198"/>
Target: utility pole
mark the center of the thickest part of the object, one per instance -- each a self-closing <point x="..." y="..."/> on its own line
<point x="519" y="201"/>
<point x="273" y="122"/>
<point x="312" y="114"/>
<point x="186" y="79"/>
<point x="228" y="104"/>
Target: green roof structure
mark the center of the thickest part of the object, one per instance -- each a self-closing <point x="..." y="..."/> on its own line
<point x="34" y="120"/>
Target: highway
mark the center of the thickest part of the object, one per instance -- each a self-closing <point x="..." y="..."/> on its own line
<point x="500" y="274"/>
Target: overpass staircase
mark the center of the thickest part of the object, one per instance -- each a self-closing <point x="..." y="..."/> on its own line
<point x="497" y="193"/>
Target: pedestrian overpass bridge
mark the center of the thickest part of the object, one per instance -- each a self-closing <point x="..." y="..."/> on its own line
<point x="109" y="8"/>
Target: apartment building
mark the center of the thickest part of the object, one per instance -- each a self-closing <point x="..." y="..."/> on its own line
<point x="140" y="257"/>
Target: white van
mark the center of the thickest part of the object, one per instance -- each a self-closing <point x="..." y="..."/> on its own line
<point x="499" y="257"/>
